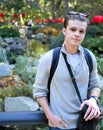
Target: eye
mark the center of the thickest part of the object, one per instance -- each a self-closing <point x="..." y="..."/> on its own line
<point x="73" y="29"/>
<point x="81" y="31"/>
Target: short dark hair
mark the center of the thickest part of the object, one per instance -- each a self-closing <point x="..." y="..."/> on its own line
<point x="75" y="16"/>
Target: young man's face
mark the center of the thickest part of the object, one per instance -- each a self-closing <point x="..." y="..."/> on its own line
<point x="75" y="32"/>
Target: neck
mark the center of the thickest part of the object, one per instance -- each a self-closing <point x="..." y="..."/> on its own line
<point x="71" y="49"/>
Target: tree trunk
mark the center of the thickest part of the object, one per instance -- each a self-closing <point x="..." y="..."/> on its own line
<point x="66" y="5"/>
<point x="53" y="9"/>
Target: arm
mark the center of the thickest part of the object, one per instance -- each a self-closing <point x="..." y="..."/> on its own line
<point x="93" y="109"/>
<point x="93" y="93"/>
<point x="53" y="119"/>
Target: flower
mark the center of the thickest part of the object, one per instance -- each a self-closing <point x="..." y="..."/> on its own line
<point x="15" y="15"/>
<point x="23" y="15"/>
<point x="2" y="15"/>
<point x="97" y="19"/>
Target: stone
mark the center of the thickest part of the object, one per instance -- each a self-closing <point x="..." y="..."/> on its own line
<point x="9" y="40"/>
<point x="3" y="55"/>
<point x="41" y="37"/>
<point x="5" y="69"/>
<point x="21" y="103"/>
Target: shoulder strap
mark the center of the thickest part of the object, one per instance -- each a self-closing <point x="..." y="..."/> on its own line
<point x="88" y="59"/>
<point x="55" y="59"/>
<point x="72" y="77"/>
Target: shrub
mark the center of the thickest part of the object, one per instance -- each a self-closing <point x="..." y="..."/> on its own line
<point x="35" y="28"/>
<point x="100" y="65"/>
<point x="24" y="67"/>
<point x="9" y="32"/>
<point x="92" y="31"/>
<point x="94" y="44"/>
<point x="56" y="41"/>
<point x="101" y="29"/>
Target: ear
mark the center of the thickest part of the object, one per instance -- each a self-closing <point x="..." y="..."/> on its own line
<point x="63" y="30"/>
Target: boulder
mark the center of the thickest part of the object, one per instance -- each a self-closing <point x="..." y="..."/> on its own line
<point x="41" y="37"/>
<point x="5" y="69"/>
<point x="22" y="103"/>
<point x="9" y="40"/>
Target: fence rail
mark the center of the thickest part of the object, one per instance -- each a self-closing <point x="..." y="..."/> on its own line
<point x="20" y="118"/>
<point x="10" y="119"/>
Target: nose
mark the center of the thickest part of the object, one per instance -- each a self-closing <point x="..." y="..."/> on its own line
<point x="77" y="33"/>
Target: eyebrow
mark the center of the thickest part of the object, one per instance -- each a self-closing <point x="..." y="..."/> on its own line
<point x="76" y="27"/>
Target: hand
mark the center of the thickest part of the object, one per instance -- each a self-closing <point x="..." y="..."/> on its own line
<point x="93" y="109"/>
<point x="56" y="121"/>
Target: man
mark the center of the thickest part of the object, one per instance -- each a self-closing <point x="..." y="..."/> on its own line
<point x="63" y="111"/>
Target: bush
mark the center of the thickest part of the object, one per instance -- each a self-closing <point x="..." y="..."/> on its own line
<point x="35" y="28"/>
<point x="94" y="44"/>
<point x="56" y="41"/>
<point x="9" y="32"/>
<point x="101" y="29"/>
<point x="100" y="65"/>
<point x="24" y="67"/>
<point x="92" y="31"/>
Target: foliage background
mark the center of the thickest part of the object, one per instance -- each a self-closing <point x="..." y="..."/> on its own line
<point x="49" y="9"/>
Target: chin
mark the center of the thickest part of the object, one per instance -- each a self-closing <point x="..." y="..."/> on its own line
<point x="75" y="44"/>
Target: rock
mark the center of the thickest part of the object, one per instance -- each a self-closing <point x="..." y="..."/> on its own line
<point x="3" y="55"/>
<point x="9" y="40"/>
<point x="41" y="37"/>
<point x="21" y="103"/>
<point x="5" y="69"/>
<point x="14" y="46"/>
<point x="21" y="40"/>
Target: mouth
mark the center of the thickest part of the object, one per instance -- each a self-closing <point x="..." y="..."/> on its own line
<point x="76" y="40"/>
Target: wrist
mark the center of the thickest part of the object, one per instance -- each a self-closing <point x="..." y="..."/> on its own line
<point x="94" y="97"/>
<point x="49" y="115"/>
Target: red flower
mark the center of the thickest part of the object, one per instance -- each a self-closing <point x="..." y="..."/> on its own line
<point x="52" y="20"/>
<point x="45" y="21"/>
<point x="97" y="19"/>
<point x="23" y="15"/>
<point x="38" y="21"/>
<point x="2" y="15"/>
<point x="15" y="15"/>
<point x="60" y="20"/>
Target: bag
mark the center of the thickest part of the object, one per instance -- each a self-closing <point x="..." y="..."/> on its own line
<point x="93" y="124"/>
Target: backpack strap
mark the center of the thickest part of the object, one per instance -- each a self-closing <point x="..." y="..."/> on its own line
<point x="88" y="59"/>
<point x="55" y="59"/>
